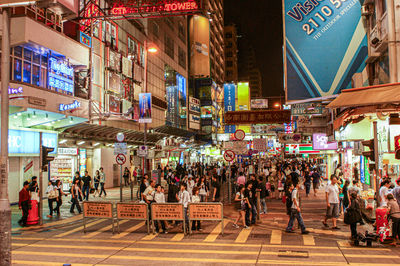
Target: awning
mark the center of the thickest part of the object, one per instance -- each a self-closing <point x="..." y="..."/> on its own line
<point x="92" y="132"/>
<point x="373" y="95"/>
<point x="179" y="132"/>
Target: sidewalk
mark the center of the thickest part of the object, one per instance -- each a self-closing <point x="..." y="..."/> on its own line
<point x="113" y="195"/>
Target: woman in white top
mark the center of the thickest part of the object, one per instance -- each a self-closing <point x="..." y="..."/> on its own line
<point x="241" y="202"/>
<point x="159" y="197"/>
<point x="184" y="198"/>
<point x="196" y="199"/>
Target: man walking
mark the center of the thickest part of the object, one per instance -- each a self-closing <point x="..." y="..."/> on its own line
<point x="86" y="185"/>
<point x="295" y="212"/>
<point x="23" y="203"/>
<point x="332" y="203"/>
<point x="217" y="189"/>
<point x="102" y="182"/>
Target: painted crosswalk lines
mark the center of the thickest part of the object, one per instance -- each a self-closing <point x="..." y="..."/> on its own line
<point x="276" y="237"/>
<point x="308" y="240"/>
<point x="215" y="232"/>
<point x="79" y="228"/>
<point x="243" y="235"/>
<point x="129" y="230"/>
<point x="150" y="237"/>
<point x="101" y="230"/>
<point x="178" y="237"/>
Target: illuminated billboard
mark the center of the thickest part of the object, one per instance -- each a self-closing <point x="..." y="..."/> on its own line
<point x="243" y="96"/>
<point x="199" y="36"/>
<point x="325" y="45"/>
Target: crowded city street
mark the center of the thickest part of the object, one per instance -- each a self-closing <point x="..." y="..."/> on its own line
<point x="199" y="132"/>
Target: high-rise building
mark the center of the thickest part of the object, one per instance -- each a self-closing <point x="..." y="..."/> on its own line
<point x="248" y="69"/>
<point x="231" y="53"/>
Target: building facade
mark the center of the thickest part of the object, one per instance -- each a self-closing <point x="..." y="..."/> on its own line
<point x="231" y="53"/>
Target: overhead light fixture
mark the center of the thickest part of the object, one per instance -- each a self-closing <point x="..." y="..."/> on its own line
<point x="96" y="144"/>
<point x="34" y="114"/>
<point x="62" y="141"/>
<point x="71" y="120"/>
<point x="15" y="116"/>
<point x="19" y="114"/>
<point x="46" y="117"/>
<point x="80" y="142"/>
<point x="28" y="117"/>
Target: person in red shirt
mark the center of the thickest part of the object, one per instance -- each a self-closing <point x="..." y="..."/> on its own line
<point x="24" y="199"/>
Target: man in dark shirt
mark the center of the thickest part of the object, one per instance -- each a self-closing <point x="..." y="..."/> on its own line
<point x="217" y="189"/>
<point x="23" y="203"/>
<point x="249" y="194"/>
<point x="86" y="179"/>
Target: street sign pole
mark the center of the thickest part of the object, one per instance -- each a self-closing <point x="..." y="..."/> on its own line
<point x="120" y="184"/>
<point x="40" y="180"/>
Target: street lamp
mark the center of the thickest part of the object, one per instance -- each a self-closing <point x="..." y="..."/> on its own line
<point x="150" y="48"/>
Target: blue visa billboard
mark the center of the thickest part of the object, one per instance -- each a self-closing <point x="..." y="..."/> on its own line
<point x="325" y="45"/>
<point x="229" y="103"/>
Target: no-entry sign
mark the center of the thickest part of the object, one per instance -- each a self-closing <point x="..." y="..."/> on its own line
<point x="229" y="155"/>
<point x="239" y="134"/>
<point x="120" y="159"/>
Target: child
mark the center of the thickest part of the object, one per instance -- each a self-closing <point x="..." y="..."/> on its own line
<point x="196" y="199"/>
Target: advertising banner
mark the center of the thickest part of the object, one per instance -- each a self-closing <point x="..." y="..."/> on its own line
<point x="243" y="97"/>
<point x="289" y="138"/>
<point x="257" y="117"/>
<point x="320" y="142"/>
<point x="145" y="108"/>
<point x="229" y="104"/>
<point x="260" y="145"/>
<point x="172" y="102"/>
<point x="199" y="36"/>
<point x="60" y="76"/>
<point x="194" y="105"/>
<point x="325" y="45"/>
<point x="306" y="109"/>
<point x="28" y="142"/>
<point x="194" y="121"/>
<point x="259" y="103"/>
<point x="267" y="129"/>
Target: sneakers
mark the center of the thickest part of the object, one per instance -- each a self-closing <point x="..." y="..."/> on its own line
<point x="289" y="231"/>
<point x="335" y="228"/>
<point x="235" y="225"/>
<point x="246" y="227"/>
<point x="305" y="232"/>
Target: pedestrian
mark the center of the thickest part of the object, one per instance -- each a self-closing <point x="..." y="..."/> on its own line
<point x="355" y="188"/>
<point x="23" y="203"/>
<point x="295" y="212"/>
<point x="102" y="182"/>
<point x="216" y="189"/>
<point x="52" y="196"/>
<point x="203" y="187"/>
<point x="396" y="191"/>
<point x="60" y="194"/>
<point x="263" y="194"/>
<point x="33" y="216"/>
<point x="148" y="193"/>
<point x="394" y="214"/>
<point x="126" y="176"/>
<point x="353" y="215"/>
<point x="96" y="180"/>
<point x="86" y="180"/>
<point x="159" y="197"/>
<point x="316" y="178"/>
<point x="143" y="186"/>
<point x="75" y="192"/>
<point x="250" y="208"/>
<point x="332" y="203"/>
<point x="346" y="198"/>
<point x="383" y="192"/>
<point x="196" y="225"/>
<point x="307" y="180"/>
<point x="241" y="201"/>
<point x="184" y="198"/>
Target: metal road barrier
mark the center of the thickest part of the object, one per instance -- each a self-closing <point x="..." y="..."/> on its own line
<point x="207" y="211"/>
<point x="167" y="212"/>
<point x="133" y="211"/>
<point x="99" y="210"/>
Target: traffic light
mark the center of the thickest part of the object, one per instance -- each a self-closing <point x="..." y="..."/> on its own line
<point x="46" y="158"/>
<point x="371" y="153"/>
<point x="397" y="147"/>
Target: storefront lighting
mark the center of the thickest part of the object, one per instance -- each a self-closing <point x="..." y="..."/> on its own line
<point x="19" y="114"/>
<point x="80" y="143"/>
<point x="62" y="141"/>
<point x="15" y="116"/>
<point x="152" y="50"/>
<point x="34" y="114"/>
<point x="71" y="120"/>
<point x="28" y="118"/>
<point x="46" y="117"/>
<point x="96" y="144"/>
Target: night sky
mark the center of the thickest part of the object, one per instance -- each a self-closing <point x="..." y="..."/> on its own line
<point x="260" y="21"/>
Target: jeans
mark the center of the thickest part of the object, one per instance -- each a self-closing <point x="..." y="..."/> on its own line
<point x="294" y="214"/>
<point x="353" y="229"/>
<point x="102" y="189"/>
<point x="264" y="205"/>
<point x="253" y="211"/>
<point x="59" y="203"/>
<point x="96" y="187"/>
<point x="308" y="187"/>
<point x="51" y="205"/>
<point x="196" y="225"/>
<point x="25" y="212"/>
<point x="86" y="192"/>
<point x="162" y="225"/>
<point x="75" y="202"/>
<point x="395" y="227"/>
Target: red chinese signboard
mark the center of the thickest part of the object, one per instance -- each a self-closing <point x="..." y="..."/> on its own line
<point x="126" y="7"/>
<point x="257" y="117"/>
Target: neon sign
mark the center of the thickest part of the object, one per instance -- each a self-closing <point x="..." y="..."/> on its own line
<point x="134" y="6"/>
<point x="18" y="90"/>
<point x="71" y="106"/>
<point x="61" y="76"/>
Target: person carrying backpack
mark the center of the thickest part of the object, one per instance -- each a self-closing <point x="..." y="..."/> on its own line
<point x="295" y="211"/>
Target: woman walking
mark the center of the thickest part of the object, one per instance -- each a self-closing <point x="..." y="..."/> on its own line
<point x="76" y="192"/>
<point x="96" y="181"/>
<point x="241" y="202"/>
<point x="127" y="176"/>
<point x="60" y="194"/>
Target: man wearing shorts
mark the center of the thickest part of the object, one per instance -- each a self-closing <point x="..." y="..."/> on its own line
<point x="332" y="202"/>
